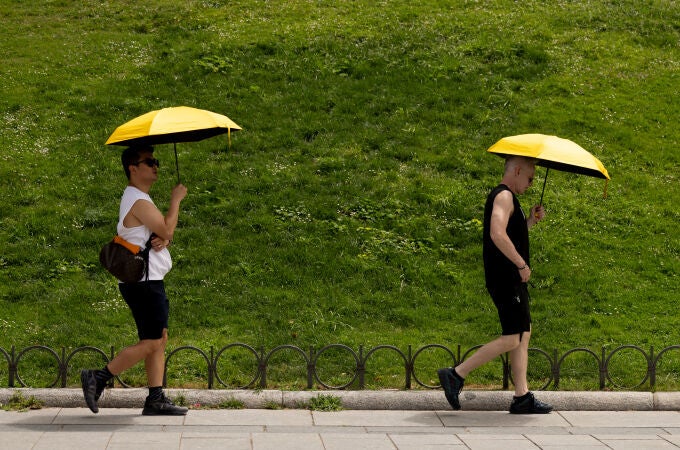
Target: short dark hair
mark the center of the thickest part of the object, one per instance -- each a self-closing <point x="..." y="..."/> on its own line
<point x="131" y="156"/>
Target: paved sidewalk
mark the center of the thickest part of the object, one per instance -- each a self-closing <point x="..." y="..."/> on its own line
<point x="259" y="429"/>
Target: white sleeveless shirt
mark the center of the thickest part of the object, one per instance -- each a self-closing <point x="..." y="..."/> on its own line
<point x="160" y="262"/>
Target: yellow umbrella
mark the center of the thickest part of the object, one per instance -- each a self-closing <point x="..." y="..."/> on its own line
<point x="172" y="125"/>
<point x="552" y="152"/>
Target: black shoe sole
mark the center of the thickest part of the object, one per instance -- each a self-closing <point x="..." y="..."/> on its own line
<point x="86" y="379"/>
<point x="445" y="380"/>
<point x="531" y="412"/>
<point x="544" y="410"/>
<point x="163" y="413"/>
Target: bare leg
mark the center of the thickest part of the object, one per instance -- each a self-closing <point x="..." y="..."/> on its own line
<point x="519" y="360"/>
<point x="155" y="363"/>
<point x="488" y="352"/>
<point x="130" y="356"/>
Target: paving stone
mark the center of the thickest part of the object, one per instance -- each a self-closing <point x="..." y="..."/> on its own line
<point x="427" y="441"/>
<point x="113" y="416"/>
<point x="371" y="419"/>
<point x="18" y="440"/>
<point x="287" y="441"/>
<point x="506" y="442"/>
<point x="231" y="442"/>
<point x="635" y="419"/>
<point x="67" y="440"/>
<point x="648" y="444"/>
<point x="562" y="440"/>
<point x="249" y="417"/>
<point x="143" y="441"/>
<point x="336" y="441"/>
<point x="500" y="419"/>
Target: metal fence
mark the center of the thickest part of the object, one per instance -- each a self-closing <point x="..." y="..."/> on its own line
<point x="599" y="365"/>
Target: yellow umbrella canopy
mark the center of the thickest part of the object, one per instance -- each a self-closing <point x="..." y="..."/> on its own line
<point x="552" y="152"/>
<point x="172" y="125"/>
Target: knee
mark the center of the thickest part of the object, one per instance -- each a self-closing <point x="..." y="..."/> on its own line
<point x="155" y="345"/>
<point x="513" y="341"/>
<point x="163" y="341"/>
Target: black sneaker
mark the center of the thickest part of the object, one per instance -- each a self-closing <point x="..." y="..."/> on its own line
<point x="99" y="391"/>
<point x="452" y="385"/>
<point x="528" y="404"/>
<point x="89" y="384"/>
<point x="162" y="407"/>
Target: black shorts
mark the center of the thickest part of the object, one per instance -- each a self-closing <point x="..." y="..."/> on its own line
<point x="513" y="309"/>
<point x="149" y="306"/>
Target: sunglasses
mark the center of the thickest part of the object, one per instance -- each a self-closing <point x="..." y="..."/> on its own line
<point x="149" y="162"/>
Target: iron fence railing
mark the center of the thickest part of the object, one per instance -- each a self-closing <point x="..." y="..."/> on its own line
<point x="554" y="362"/>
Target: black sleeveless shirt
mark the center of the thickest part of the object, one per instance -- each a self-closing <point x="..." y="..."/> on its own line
<point x="500" y="272"/>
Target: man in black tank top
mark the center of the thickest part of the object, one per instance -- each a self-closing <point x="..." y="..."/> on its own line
<point x="507" y="271"/>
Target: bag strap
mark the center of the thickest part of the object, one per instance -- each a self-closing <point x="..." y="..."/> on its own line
<point x="145" y="255"/>
<point x="132" y="247"/>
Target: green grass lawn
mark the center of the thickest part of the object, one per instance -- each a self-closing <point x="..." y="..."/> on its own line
<point x="348" y="208"/>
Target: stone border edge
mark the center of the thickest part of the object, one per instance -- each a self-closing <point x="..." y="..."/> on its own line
<point x="417" y="400"/>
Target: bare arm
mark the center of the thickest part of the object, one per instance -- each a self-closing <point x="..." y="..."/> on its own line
<point x="146" y="213"/>
<point x="500" y="215"/>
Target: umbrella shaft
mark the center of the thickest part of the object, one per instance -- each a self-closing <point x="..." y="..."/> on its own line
<point x="544" y="182"/>
<point x="176" y="162"/>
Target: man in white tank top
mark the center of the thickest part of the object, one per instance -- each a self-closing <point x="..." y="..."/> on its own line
<point x="140" y="219"/>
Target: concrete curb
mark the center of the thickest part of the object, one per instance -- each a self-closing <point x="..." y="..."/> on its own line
<point x="361" y="400"/>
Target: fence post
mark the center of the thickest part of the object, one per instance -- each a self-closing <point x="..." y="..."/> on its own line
<point x="12" y="367"/>
<point x="556" y="369"/>
<point x="409" y="367"/>
<point x="603" y="369"/>
<point x="651" y="368"/>
<point x="211" y="367"/>
<point x="63" y="370"/>
<point x="112" y="380"/>
<point x="311" y="368"/>
<point x="262" y="367"/>
<point x="361" y="368"/>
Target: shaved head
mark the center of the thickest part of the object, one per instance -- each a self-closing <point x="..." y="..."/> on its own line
<point x="518" y="161"/>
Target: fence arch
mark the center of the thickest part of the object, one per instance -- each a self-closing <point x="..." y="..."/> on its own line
<point x="318" y="354"/>
<point x="258" y="361"/>
<point x="208" y="362"/>
<point x="67" y="360"/>
<point x="655" y="362"/>
<point x="264" y="367"/>
<point x="600" y="365"/>
<point x="38" y="347"/>
<point x="551" y="362"/>
<point x="427" y="347"/>
<point x="404" y="358"/>
<point x="619" y="349"/>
